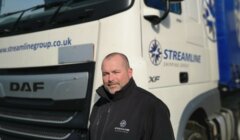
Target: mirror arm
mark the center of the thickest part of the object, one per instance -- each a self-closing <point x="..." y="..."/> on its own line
<point x="154" y="19"/>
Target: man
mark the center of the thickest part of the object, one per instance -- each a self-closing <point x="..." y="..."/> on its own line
<point x="125" y="111"/>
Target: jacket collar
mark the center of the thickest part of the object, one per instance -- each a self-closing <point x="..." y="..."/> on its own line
<point x="125" y="91"/>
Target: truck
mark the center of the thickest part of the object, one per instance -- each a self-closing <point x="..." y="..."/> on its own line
<point x="185" y="52"/>
<point x="227" y="15"/>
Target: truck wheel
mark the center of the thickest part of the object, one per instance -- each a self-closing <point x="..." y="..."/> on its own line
<point x="237" y="124"/>
<point x="195" y="131"/>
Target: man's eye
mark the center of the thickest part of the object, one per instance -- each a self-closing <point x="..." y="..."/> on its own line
<point x="116" y="72"/>
<point x="104" y="74"/>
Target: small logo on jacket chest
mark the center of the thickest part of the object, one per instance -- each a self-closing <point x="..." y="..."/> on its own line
<point x="122" y="128"/>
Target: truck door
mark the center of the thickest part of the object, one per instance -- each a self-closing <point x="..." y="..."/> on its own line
<point x="174" y="49"/>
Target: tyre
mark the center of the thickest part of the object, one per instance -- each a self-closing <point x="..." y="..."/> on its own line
<point x="195" y="131"/>
<point x="237" y="124"/>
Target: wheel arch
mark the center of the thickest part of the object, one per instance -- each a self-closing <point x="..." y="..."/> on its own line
<point x="199" y="116"/>
<point x="199" y="109"/>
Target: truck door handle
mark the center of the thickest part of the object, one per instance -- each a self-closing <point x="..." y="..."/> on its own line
<point x="183" y="77"/>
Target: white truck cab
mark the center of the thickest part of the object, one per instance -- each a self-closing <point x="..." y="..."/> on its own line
<point x="51" y="53"/>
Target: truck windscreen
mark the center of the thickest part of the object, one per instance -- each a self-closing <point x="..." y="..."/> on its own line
<point x="18" y="17"/>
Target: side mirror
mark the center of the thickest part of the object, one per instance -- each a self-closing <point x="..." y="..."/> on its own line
<point x="154" y="16"/>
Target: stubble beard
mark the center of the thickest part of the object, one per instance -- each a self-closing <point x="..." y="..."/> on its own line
<point x="113" y="88"/>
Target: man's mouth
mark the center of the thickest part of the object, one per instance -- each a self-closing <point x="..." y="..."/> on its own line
<point x="112" y="85"/>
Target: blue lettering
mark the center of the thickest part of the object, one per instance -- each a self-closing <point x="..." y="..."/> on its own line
<point x="165" y="54"/>
<point x="181" y="56"/>
<point x="174" y="55"/>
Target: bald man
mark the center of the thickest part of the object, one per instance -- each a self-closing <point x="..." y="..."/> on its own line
<point x="124" y="110"/>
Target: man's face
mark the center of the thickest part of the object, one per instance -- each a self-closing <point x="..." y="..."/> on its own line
<point x="115" y="73"/>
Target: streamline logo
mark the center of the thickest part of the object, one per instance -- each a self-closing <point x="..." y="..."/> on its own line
<point x="237" y="18"/>
<point x="157" y="54"/>
<point x="181" y="56"/>
<point x="209" y="18"/>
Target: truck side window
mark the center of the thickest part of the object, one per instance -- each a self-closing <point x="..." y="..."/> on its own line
<point x="161" y="5"/>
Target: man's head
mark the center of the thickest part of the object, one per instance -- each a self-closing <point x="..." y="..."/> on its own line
<point x="116" y="72"/>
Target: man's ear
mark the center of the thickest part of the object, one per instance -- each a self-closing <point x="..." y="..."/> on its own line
<point x="130" y="72"/>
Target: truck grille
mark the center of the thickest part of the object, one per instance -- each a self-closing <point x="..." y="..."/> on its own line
<point x="54" y="117"/>
<point x="57" y="110"/>
<point x="35" y="131"/>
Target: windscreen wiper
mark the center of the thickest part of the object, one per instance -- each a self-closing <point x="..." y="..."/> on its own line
<point x="10" y="13"/>
<point x="58" y="3"/>
<point x="4" y="30"/>
<point x="48" y="5"/>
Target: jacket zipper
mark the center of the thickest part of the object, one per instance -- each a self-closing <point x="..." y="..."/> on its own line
<point x="107" y="118"/>
<point x="99" y="117"/>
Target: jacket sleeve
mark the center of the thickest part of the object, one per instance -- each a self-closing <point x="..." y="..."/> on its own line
<point x="159" y="123"/>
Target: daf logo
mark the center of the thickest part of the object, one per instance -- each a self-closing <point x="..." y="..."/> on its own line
<point x="26" y="86"/>
<point x="155" y="52"/>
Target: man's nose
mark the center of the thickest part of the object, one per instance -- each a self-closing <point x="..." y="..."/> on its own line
<point x="110" y="77"/>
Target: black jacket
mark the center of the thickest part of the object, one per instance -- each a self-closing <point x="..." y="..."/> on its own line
<point x="131" y="114"/>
